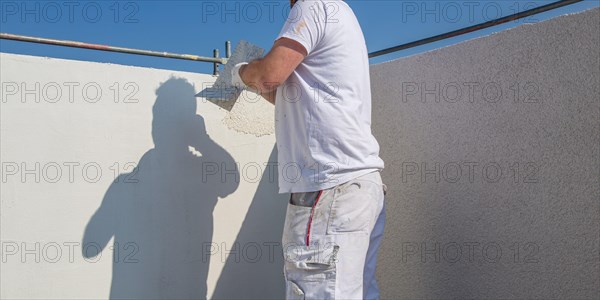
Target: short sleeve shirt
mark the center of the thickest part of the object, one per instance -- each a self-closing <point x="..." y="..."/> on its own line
<point x="323" y="110"/>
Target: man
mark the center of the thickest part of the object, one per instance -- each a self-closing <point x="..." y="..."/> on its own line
<point x="317" y="75"/>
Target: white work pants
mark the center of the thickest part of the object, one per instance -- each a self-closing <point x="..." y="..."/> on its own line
<point x="330" y="242"/>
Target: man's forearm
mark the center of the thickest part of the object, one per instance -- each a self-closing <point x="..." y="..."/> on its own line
<point x="255" y="77"/>
<point x="265" y="75"/>
<point x="270" y="96"/>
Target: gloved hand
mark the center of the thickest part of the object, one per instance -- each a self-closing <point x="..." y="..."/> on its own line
<point x="236" y="79"/>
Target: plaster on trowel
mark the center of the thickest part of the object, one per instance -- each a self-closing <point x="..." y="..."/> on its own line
<point x="223" y="93"/>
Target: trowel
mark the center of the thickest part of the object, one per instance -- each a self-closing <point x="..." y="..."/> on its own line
<point x="223" y="93"/>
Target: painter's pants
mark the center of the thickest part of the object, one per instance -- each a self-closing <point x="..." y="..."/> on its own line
<point x="330" y="242"/>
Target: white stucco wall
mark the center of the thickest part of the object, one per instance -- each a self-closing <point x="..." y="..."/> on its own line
<point x="79" y="118"/>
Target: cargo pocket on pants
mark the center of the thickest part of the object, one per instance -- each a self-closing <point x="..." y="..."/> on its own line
<point x="310" y="272"/>
<point x="293" y="291"/>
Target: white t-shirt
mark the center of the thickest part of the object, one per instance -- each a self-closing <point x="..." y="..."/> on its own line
<point x="323" y="110"/>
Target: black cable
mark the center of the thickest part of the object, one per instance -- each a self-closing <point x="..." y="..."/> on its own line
<point x="491" y="23"/>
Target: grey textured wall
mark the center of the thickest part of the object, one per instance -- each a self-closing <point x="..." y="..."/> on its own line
<point x="492" y="162"/>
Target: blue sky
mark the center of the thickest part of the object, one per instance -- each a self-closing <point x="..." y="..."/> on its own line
<point x="198" y="27"/>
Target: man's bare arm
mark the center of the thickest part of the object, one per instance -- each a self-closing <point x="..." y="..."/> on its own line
<point x="266" y="74"/>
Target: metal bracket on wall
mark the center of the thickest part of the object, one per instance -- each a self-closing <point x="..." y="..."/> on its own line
<point x="216" y="55"/>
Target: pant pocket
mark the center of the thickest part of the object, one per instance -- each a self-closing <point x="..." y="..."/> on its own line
<point x="352" y="208"/>
<point x="293" y="291"/>
<point x="296" y="225"/>
<point x="311" y="271"/>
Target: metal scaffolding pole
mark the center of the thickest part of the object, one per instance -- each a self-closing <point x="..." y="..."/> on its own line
<point x="216" y="60"/>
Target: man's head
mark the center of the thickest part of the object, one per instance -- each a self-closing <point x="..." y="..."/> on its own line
<point x="292" y="2"/>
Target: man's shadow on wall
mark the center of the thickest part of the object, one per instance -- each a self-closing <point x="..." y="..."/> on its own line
<point x="161" y="214"/>
<point x="254" y="268"/>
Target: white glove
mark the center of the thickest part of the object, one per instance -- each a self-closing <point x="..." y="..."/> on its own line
<point x="236" y="79"/>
